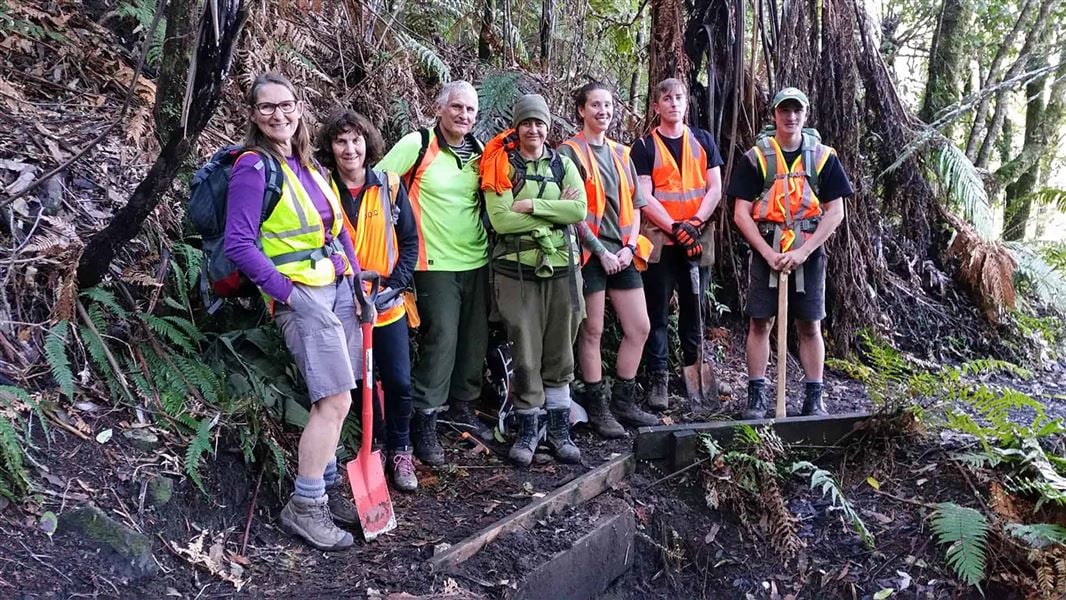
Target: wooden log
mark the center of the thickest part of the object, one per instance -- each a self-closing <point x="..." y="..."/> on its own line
<point x="579" y="490"/>
<point x="658" y="442"/>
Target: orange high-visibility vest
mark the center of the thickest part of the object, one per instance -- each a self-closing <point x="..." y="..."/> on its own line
<point x="374" y="236"/>
<point x="790" y="198"/>
<point x="597" y="196"/>
<point x="679" y="189"/>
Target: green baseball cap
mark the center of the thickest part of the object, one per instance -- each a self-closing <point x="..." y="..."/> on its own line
<point x="790" y="93"/>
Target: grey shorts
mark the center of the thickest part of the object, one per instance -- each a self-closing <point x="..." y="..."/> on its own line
<point x="808" y="306"/>
<point x="322" y="333"/>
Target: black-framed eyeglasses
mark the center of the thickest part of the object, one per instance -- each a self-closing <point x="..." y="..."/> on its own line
<point x="267" y="108"/>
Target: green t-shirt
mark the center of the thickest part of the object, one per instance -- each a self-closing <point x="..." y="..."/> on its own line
<point x="610" y="234"/>
<point x="445" y="204"/>
<point x="539" y="238"/>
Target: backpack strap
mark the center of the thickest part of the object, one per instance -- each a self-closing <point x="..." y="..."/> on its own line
<point x="391" y="185"/>
<point x="409" y="177"/>
<point x="810" y="154"/>
<point x="769" y="162"/>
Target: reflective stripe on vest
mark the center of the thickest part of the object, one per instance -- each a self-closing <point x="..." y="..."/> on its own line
<point x="295" y="226"/>
<point x="597" y="196"/>
<point x="374" y="236"/>
<point x="679" y="189"/>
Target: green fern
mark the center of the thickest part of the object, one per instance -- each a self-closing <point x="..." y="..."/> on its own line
<point x="496" y="95"/>
<point x="428" y="58"/>
<point x="963" y="187"/>
<point x="1035" y="271"/>
<point x="107" y="299"/>
<point x="965" y="531"/>
<point x="1053" y="197"/>
<point x="14" y="478"/>
<point x="169" y="332"/>
<point x="823" y="479"/>
<point x="200" y="445"/>
<point x="144" y="12"/>
<point x="55" y="351"/>
<point x="1038" y="535"/>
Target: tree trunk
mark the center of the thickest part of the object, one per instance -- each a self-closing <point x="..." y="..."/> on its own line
<point x="177" y="48"/>
<point x="946" y="58"/>
<point x="666" y="56"/>
<point x="484" y="42"/>
<point x="547" y="28"/>
<point x="212" y="58"/>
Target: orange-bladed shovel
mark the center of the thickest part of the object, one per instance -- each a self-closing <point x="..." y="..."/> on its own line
<point x="365" y="473"/>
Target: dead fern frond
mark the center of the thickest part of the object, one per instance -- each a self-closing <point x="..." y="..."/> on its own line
<point x="986" y="270"/>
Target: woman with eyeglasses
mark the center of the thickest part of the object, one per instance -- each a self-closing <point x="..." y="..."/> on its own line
<point x="303" y="261"/>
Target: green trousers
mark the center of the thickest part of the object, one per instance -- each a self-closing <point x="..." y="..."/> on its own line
<point x="542" y="326"/>
<point x="452" y="338"/>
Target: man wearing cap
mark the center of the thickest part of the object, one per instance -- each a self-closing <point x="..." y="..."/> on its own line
<point x="788" y="194"/>
<point x="533" y="195"/>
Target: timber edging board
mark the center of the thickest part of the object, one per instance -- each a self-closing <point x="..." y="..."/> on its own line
<point x="662" y="441"/>
<point x="575" y="492"/>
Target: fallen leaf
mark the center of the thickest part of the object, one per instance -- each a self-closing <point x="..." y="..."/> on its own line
<point x="885" y="593"/>
<point x="104" y="436"/>
<point x="707" y="539"/>
<point x="48" y="523"/>
<point x="875" y="484"/>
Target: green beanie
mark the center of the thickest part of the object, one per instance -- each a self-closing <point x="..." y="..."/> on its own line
<point x="530" y="106"/>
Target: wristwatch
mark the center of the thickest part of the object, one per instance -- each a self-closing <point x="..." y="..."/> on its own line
<point x="632" y="249"/>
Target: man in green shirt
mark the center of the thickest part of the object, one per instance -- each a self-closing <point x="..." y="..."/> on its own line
<point x="533" y="195"/>
<point x="439" y="166"/>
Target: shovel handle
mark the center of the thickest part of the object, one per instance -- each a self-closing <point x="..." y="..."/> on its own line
<point x="782" y="342"/>
<point x="367" y="300"/>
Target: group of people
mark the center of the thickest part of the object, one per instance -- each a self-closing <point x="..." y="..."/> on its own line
<point x="519" y="233"/>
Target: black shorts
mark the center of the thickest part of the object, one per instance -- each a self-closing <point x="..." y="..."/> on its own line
<point x="597" y="280"/>
<point x="808" y="306"/>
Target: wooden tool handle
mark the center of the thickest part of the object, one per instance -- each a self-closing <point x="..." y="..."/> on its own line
<point x="782" y="342"/>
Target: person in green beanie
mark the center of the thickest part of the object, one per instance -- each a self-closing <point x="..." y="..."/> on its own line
<point x="533" y="196"/>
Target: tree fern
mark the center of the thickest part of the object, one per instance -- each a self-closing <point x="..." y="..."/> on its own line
<point x="200" y="445"/>
<point x="965" y="532"/>
<point x="1048" y="283"/>
<point x="496" y="95"/>
<point x="823" y="479"/>
<point x="55" y="351"/>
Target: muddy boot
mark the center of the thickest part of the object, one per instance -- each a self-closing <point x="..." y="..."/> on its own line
<point x="658" y="397"/>
<point x="309" y="518"/>
<point x="624" y="405"/>
<point x="424" y="434"/>
<point x="525" y="446"/>
<point x="340" y="503"/>
<point x="559" y="441"/>
<point x="757" y="404"/>
<point x="812" y="399"/>
<point x="402" y="470"/>
<point x="594" y="399"/>
<point x="462" y="414"/>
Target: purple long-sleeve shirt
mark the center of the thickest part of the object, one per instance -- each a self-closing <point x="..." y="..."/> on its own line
<point x="244" y="209"/>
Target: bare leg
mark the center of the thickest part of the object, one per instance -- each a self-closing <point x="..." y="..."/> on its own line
<point x="811" y="348"/>
<point x="758" y="346"/>
<point x="588" y="339"/>
<point x="632" y="312"/>
<point x="318" y="444"/>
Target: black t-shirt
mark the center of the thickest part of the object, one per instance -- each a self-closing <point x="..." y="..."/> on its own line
<point x="746" y="183"/>
<point x="643" y="152"/>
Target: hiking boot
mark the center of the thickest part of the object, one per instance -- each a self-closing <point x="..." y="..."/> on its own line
<point x="757" y="404"/>
<point x="525" y="446"/>
<point x="310" y="519"/>
<point x="559" y="441"/>
<point x="812" y="399"/>
<point x="624" y="405"/>
<point x="424" y="434"/>
<point x="594" y="399"/>
<point x="658" y="395"/>
<point x="463" y="415"/>
<point x="402" y="470"/>
<point x="340" y="503"/>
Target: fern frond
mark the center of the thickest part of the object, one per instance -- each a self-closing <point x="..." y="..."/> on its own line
<point x="201" y="444"/>
<point x="169" y="332"/>
<point x="55" y="350"/>
<point x="105" y="298"/>
<point x="961" y="183"/>
<point x="1048" y="283"/>
<point x="965" y="531"/>
<point x="280" y="466"/>
<point x="822" y="479"/>
<point x="428" y="58"/>
<point x="1050" y="197"/>
<point x="206" y="380"/>
<point x="1038" y="535"/>
<point x="187" y="327"/>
